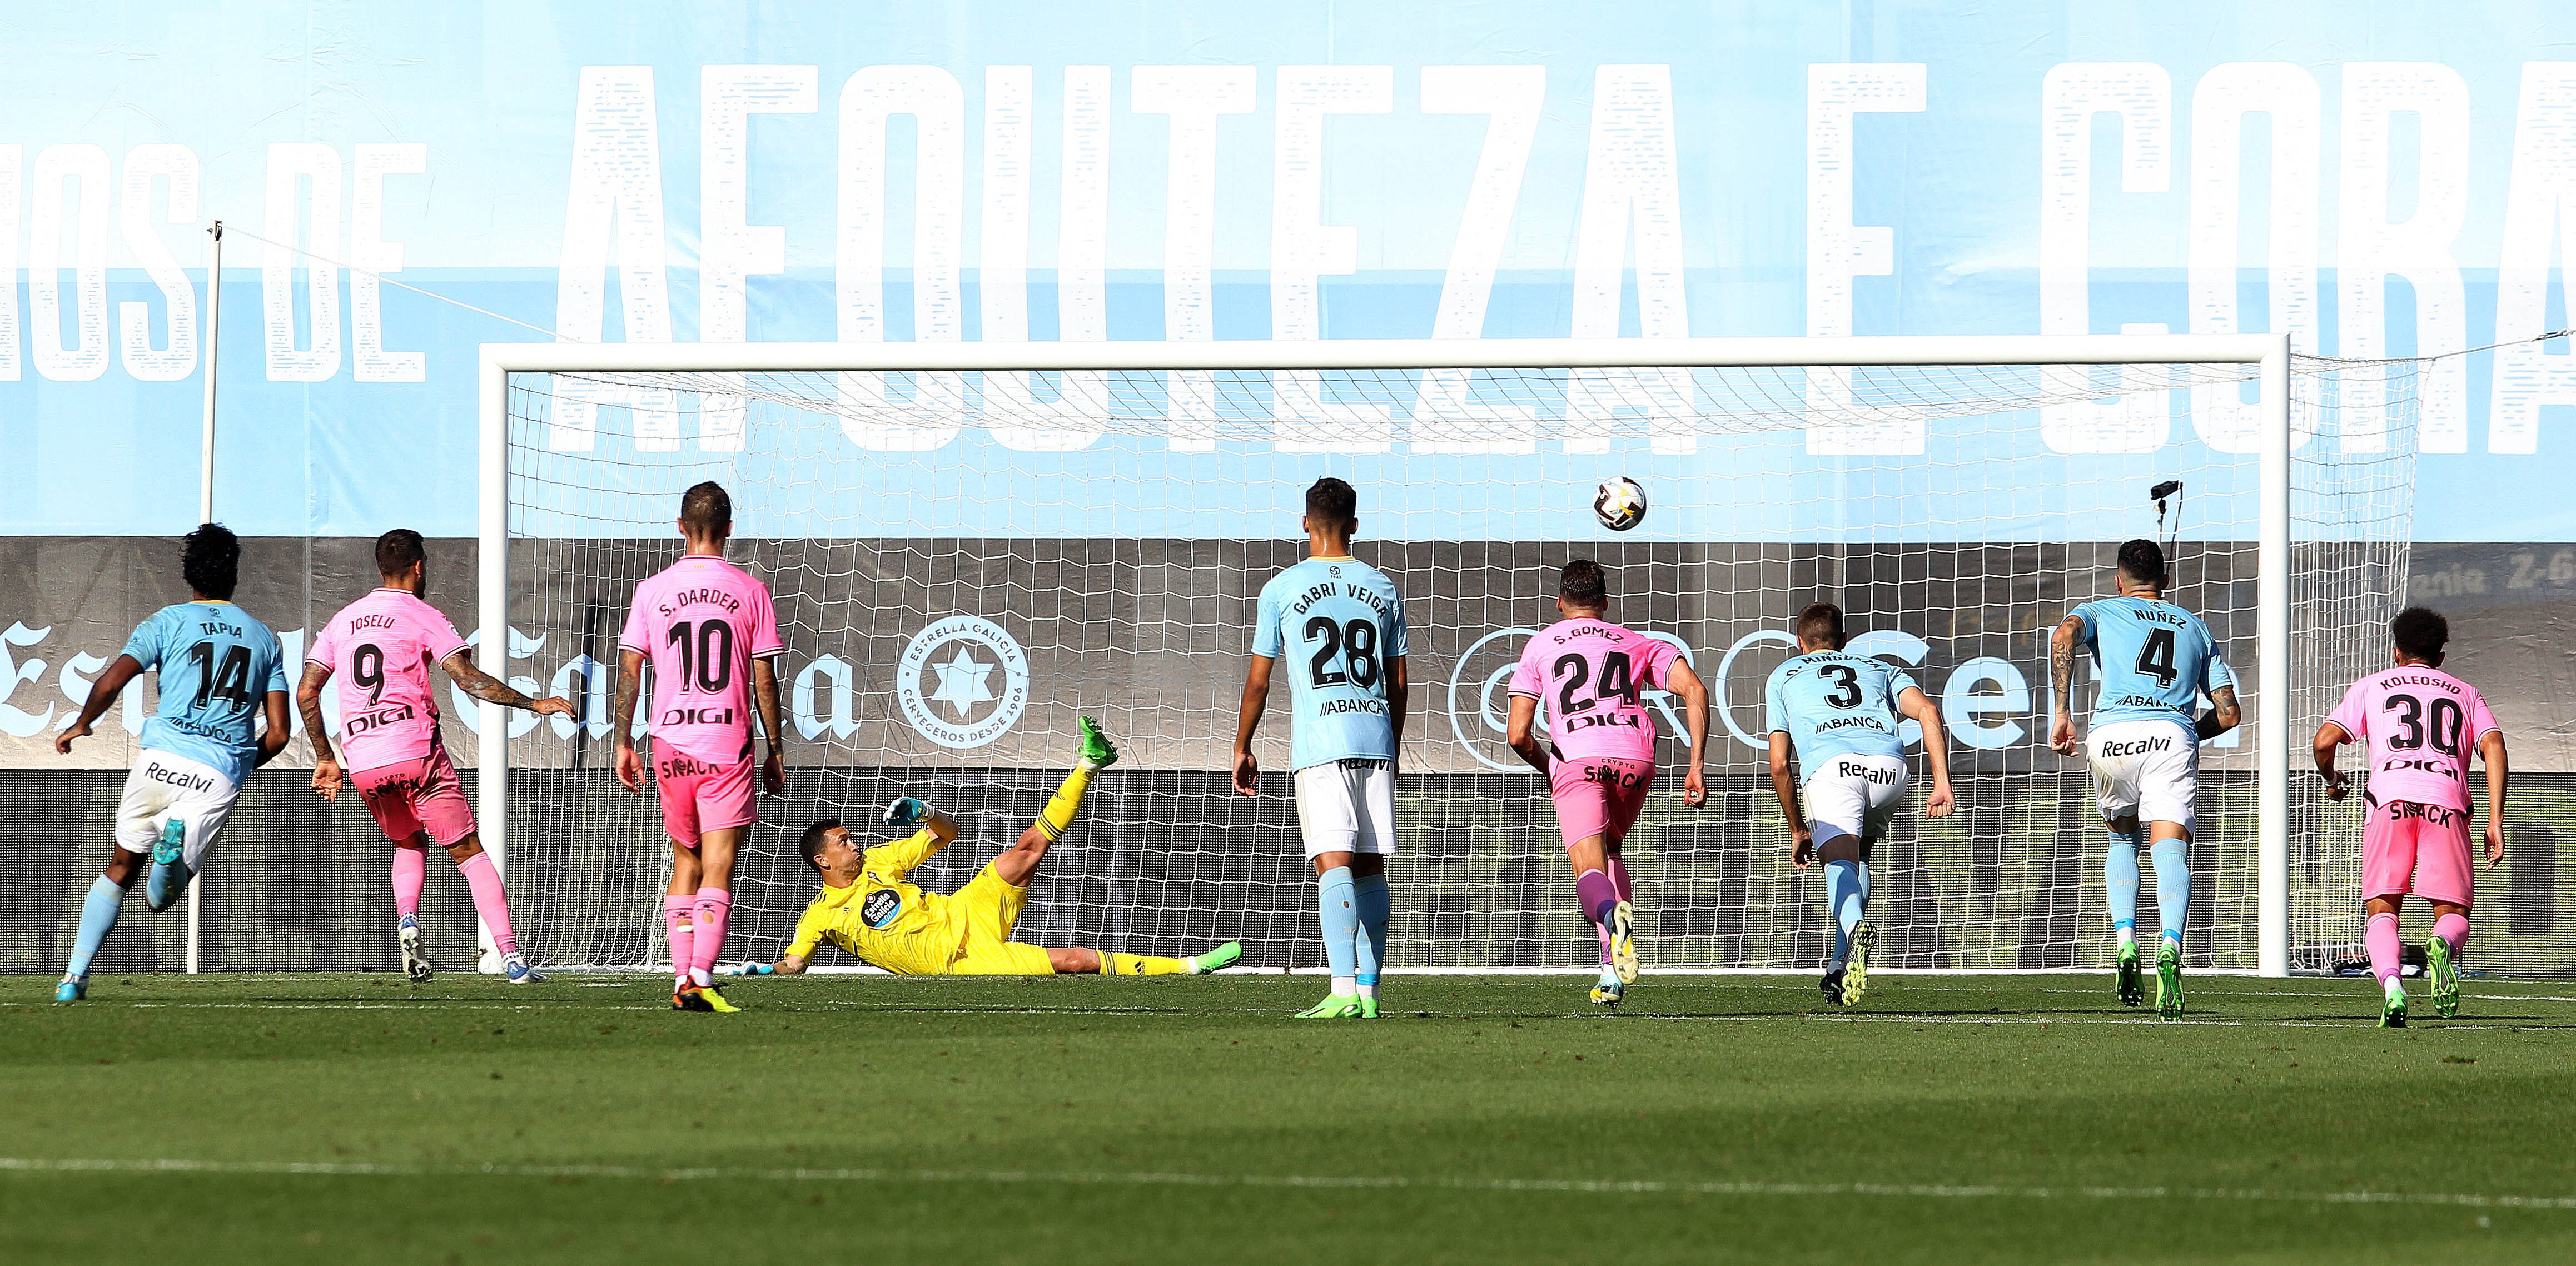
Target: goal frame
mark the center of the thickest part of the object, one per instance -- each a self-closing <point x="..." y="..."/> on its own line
<point x="2271" y="353"/>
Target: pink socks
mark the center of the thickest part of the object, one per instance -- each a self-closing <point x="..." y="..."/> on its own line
<point x="2387" y="956"/>
<point x="485" y="880"/>
<point x="411" y="869"/>
<point x="2453" y="928"/>
<point x="677" y="913"/>
<point x="1619" y="887"/>
<point x="714" y="904"/>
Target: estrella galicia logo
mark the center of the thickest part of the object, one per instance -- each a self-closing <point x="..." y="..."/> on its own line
<point x="953" y="664"/>
<point x="880" y="907"/>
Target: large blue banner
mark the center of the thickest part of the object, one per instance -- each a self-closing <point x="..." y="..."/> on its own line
<point x="2380" y="178"/>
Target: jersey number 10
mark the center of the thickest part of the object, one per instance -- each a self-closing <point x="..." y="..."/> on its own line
<point x="710" y="668"/>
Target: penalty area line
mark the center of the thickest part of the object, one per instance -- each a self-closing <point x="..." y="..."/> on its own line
<point x="1640" y="1187"/>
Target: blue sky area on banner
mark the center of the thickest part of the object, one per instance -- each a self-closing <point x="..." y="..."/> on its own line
<point x="2380" y="178"/>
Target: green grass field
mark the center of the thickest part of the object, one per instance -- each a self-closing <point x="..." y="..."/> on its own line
<point x="354" y="1118"/>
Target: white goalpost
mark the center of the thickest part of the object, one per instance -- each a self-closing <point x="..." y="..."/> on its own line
<point x="1048" y="529"/>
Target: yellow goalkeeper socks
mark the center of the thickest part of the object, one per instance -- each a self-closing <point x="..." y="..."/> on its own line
<point x="1059" y="811"/>
<point x="1113" y="964"/>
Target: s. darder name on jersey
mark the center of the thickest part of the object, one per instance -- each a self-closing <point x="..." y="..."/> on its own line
<point x="701" y="597"/>
<point x="1336" y="707"/>
<point x="1334" y="589"/>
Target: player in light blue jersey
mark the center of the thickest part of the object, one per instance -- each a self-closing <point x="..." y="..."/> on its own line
<point x="2154" y="660"/>
<point x="1840" y="712"/>
<point x="1339" y="625"/>
<point x="221" y="672"/>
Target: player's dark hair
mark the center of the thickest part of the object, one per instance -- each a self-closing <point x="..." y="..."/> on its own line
<point x="811" y="842"/>
<point x="397" y="550"/>
<point x="1584" y="583"/>
<point x="1821" y="622"/>
<point x="707" y="510"/>
<point x="2420" y="633"/>
<point x="210" y="557"/>
<point x="2143" y="560"/>
<point x="1333" y="501"/>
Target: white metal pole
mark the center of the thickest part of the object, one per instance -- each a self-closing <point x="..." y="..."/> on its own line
<point x="492" y="580"/>
<point x="2272" y="701"/>
<point x="206" y="477"/>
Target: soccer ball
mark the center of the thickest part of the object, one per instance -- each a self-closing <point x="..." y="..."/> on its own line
<point x="1620" y="504"/>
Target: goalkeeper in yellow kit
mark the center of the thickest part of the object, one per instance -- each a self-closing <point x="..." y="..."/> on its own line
<point x="867" y="908"/>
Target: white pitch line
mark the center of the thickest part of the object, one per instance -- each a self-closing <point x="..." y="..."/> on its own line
<point x="1933" y="1191"/>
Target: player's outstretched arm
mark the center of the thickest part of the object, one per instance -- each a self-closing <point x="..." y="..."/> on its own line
<point x="1683" y="681"/>
<point x="2329" y="737"/>
<point x="102" y="696"/>
<point x="2491" y="751"/>
<point x="2223" y="714"/>
<point x="1802" y="842"/>
<point x="1256" y="700"/>
<point x="1399" y="690"/>
<point x="308" y="701"/>
<point x="490" y="689"/>
<point x="2061" y="681"/>
<point x="630" y="679"/>
<point x="1919" y="708"/>
<point x="1522" y="733"/>
<point x="792" y="965"/>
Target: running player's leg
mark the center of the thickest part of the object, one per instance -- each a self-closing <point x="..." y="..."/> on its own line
<point x="2444" y="876"/>
<point x="1883" y="784"/>
<point x="1372" y="904"/>
<point x="2168" y="774"/>
<point x="140" y="811"/>
<point x="1836" y="799"/>
<point x="1328" y="818"/>
<point x="194" y="815"/>
<point x="2115" y="783"/>
<point x="1583" y="813"/>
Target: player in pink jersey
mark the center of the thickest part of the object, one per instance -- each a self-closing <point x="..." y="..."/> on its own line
<point x="381" y="647"/>
<point x="2419" y="725"/>
<point x="712" y="636"/>
<point x="1600" y="757"/>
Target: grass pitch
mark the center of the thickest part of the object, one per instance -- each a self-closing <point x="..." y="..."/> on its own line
<point x="355" y="1118"/>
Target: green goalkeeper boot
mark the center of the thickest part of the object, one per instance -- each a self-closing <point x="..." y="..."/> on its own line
<point x="2444" y="975"/>
<point x="1217" y="959"/>
<point x="1095" y="749"/>
<point x="2168" y="980"/>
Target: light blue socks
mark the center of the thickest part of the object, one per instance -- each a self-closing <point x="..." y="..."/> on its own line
<point x="1337" y="907"/>
<point x="98" y="918"/>
<point x="1847" y="898"/>
<point x="2120" y="876"/>
<point x="2173" y="886"/>
<point x="1375" y="906"/>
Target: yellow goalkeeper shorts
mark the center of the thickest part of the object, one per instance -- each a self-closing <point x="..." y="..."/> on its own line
<point x="990" y="907"/>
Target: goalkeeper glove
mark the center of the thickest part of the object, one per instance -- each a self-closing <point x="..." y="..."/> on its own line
<point x="750" y="968"/>
<point x="907" y="811"/>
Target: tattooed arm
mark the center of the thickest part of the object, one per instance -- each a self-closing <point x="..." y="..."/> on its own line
<point x="2061" y="679"/>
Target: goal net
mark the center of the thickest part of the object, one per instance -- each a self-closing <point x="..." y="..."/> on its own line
<point x="965" y="561"/>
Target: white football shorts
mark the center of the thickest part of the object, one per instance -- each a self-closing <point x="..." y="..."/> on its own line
<point x="165" y="787"/>
<point x="1347" y="806"/>
<point x="2149" y="768"/>
<point x="1855" y="795"/>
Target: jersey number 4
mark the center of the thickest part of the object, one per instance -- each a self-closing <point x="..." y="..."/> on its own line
<point x="230" y="682"/>
<point x="2155" y="659"/>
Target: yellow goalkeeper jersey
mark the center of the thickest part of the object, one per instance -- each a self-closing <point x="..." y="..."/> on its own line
<point x="883" y="918"/>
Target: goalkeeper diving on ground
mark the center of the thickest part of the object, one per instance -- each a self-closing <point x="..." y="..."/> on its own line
<point x="870" y="910"/>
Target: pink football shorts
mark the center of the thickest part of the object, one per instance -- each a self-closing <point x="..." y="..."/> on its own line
<point x="1599" y="796"/>
<point x="416" y="795"/>
<point x="698" y="797"/>
<point x="2417" y="848"/>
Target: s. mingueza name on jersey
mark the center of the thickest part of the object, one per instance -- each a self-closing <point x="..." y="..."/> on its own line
<point x="1336" y="589"/>
<point x="1336" y="707"/>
